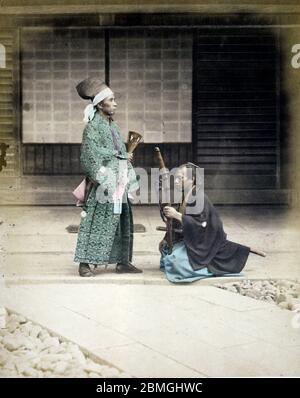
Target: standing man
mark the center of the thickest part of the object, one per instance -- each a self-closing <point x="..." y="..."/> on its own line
<point x="106" y="231"/>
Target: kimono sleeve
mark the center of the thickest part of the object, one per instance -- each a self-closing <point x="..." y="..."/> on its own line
<point x="94" y="157"/>
<point x="133" y="184"/>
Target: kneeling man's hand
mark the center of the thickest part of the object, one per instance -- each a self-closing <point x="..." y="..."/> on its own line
<point x="170" y="212"/>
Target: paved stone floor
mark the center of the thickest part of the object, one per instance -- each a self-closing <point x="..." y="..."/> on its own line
<point x="141" y="323"/>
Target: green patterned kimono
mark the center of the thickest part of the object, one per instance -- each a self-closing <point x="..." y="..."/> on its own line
<point x="105" y="237"/>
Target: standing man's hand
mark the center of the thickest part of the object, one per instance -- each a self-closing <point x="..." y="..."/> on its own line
<point x="130" y="156"/>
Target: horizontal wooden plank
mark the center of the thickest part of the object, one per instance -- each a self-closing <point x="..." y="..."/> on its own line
<point x="225" y="151"/>
<point x="6" y="126"/>
<point x="248" y="196"/>
<point x="6" y="132"/>
<point x="5" y="97"/>
<point x="252" y="121"/>
<point x="8" y="173"/>
<point x="6" y="122"/>
<point x="4" y="138"/>
<point x="234" y="118"/>
<point x="6" y="82"/>
<point x="217" y="84"/>
<point x="236" y="73"/>
<point x="237" y="57"/>
<point x="5" y="74"/>
<point x="9" y="141"/>
<point x="6" y="91"/>
<point x="229" y="102"/>
<point x="234" y="181"/>
<point x="243" y="46"/>
<point x="234" y="67"/>
<point x="252" y="135"/>
<point x="10" y="160"/>
<point x="266" y="41"/>
<point x="236" y="143"/>
<point x="7" y="40"/>
<point x="249" y="90"/>
<point x="233" y="159"/>
<point x="224" y="168"/>
<point x="233" y="64"/>
<point x="9" y="51"/>
<point x="9" y="64"/>
<point x="234" y="128"/>
<point x="244" y="95"/>
<point x="6" y="106"/>
<point x="232" y="32"/>
<point x="234" y="111"/>
<point x="6" y="113"/>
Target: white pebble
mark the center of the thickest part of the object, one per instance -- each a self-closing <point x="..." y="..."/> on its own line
<point x="34" y="332"/>
<point x="60" y="367"/>
<point x="50" y="342"/>
<point x="11" y="343"/>
<point x="110" y="372"/>
<point x="93" y="367"/>
<point x="94" y="375"/>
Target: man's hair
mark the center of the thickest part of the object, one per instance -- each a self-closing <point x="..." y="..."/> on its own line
<point x="193" y="167"/>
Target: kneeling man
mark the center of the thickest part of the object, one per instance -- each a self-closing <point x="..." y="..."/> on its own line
<point x="200" y="245"/>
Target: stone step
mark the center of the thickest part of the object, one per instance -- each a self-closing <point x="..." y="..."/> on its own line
<point x="35" y="268"/>
<point x="143" y="242"/>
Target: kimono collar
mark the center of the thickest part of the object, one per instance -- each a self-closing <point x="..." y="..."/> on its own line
<point x="102" y="119"/>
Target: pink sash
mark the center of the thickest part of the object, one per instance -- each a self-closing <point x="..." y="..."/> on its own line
<point x="79" y="193"/>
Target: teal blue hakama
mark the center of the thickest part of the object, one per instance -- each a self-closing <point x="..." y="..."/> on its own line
<point x="178" y="269"/>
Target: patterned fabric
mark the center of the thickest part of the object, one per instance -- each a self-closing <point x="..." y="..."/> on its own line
<point x="104" y="237"/>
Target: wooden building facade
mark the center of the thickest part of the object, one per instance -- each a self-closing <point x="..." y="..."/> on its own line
<point x="212" y="87"/>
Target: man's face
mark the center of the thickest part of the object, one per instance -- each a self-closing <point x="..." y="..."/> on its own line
<point x="183" y="179"/>
<point x="108" y="105"/>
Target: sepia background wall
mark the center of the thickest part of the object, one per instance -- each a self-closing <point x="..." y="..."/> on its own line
<point x="37" y="138"/>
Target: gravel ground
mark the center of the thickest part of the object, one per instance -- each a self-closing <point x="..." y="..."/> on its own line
<point x="28" y="350"/>
<point x="284" y="293"/>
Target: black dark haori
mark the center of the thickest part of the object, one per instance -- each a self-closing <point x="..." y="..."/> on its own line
<point x="208" y="246"/>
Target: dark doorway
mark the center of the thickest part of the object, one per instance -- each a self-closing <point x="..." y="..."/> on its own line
<point x="235" y="107"/>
